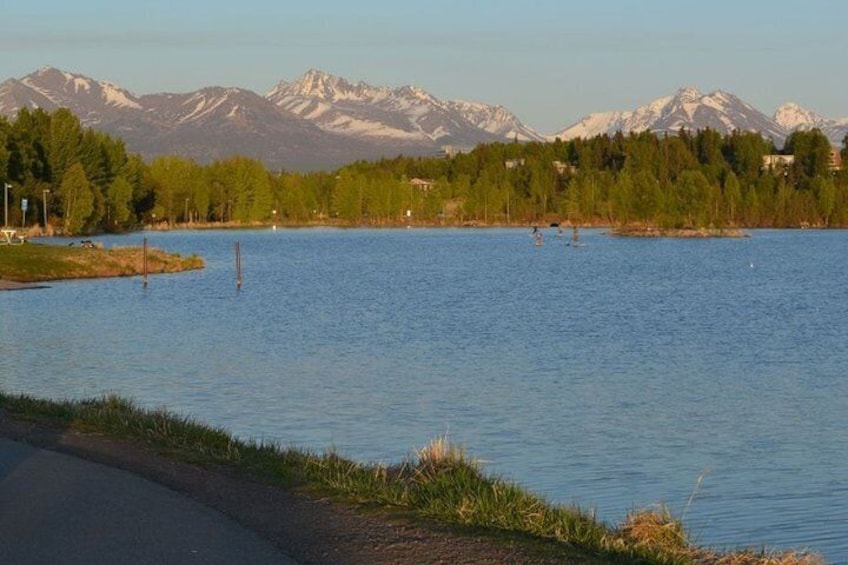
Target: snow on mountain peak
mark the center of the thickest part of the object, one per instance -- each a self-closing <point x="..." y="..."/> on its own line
<point x="117" y="96"/>
<point x="688" y="109"/>
<point x="318" y="84"/>
<point x="408" y="113"/>
<point x="688" y="94"/>
<point x="46" y="70"/>
<point x="793" y="116"/>
<point x="63" y="88"/>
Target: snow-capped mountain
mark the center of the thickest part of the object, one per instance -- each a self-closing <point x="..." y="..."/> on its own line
<point x="209" y="124"/>
<point x="319" y="121"/>
<point x="217" y="122"/>
<point x="406" y="114"/>
<point x="322" y="121"/>
<point x="793" y="117"/>
<point x="495" y="119"/>
<point x="691" y="110"/>
<point x="50" y="88"/>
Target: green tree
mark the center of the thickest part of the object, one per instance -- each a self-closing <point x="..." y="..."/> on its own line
<point x="28" y="160"/>
<point x="63" y="143"/>
<point x="348" y="197"/>
<point x="573" y="199"/>
<point x="542" y="182"/>
<point x="169" y="175"/>
<point x="5" y="141"/>
<point x="732" y="198"/>
<point x="708" y="145"/>
<point x="297" y="200"/>
<point x="180" y="187"/>
<point x="844" y="152"/>
<point x="119" y="204"/>
<point x="825" y="193"/>
<point x="647" y="196"/>
<point x="77" y="199"/>
<point x="693" y="191"/>
<point x="812" y="154"/>
<point x="744" y="153"/>
<point x="623" y="198"/>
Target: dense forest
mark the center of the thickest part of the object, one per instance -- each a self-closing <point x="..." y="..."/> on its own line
<point x="90" y="183"/>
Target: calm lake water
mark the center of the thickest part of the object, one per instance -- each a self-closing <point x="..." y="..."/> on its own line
<point x="611" y="375"/>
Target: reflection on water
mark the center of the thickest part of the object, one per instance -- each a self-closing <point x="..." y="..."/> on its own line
<point x="611" y="375"/>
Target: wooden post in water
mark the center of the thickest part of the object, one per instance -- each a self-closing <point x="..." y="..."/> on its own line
<point x="238" y="265"/>
<point x="144" y="263"/>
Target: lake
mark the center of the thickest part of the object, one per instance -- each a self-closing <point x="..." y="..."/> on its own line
<point x="615" y="375"/>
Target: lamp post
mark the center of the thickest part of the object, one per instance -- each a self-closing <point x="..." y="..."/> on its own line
<point x="44" y="194"/>
<point x="6" y="187"/>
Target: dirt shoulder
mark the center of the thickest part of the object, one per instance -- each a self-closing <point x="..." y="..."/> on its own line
<point x="309" y="530"/>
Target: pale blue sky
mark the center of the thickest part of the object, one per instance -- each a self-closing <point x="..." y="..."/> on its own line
<point x="549" y="61"/>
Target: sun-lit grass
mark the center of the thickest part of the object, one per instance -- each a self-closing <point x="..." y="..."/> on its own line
<point x="440" y="482"/>
<point x="35" y="262"/>
<point x="655" y="528"/>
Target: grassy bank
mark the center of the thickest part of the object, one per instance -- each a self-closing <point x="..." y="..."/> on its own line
<point x="438" y="483"/>
<point x="34" y="262"/>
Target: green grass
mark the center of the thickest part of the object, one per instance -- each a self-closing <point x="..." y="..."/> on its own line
<point x="438" y="483"/>
<point x="34" y="262"/>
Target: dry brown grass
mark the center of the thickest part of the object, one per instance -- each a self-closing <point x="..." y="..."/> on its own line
<point x="657" y="529"/>
<point x="441" y="452"/>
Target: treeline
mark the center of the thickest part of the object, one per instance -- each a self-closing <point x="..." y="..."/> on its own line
<point x="699" y="179"/>
<point x="91" y="184"/>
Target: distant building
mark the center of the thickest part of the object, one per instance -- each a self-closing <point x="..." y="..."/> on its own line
<point x="423" y="185"/>
<point x="778" y="162"/>
<point x="512" y="163"/>
<point x="783" y="162"/>
<point x="835" y="159"/>
<point x="454" y="150"/>
<point x="562" y="167"/>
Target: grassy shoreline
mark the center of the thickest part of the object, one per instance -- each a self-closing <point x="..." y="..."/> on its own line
<point x="440" y="483"/>
<point x="34" y="262"/>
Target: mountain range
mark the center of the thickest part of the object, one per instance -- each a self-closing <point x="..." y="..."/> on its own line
<point x="322" y="121"/>
<point x="721" y="111"/>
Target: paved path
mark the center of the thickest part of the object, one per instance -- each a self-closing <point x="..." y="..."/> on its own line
<point x="57" y="509"/>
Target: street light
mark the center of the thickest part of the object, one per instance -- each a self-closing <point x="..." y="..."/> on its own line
<point x="44" y="194"/>
<point x="6" y="187"/>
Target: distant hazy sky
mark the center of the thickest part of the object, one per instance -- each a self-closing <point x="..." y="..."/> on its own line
<point x="549" y="61"/>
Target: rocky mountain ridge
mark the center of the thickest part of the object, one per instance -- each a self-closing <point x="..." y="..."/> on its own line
<point x="319" y="121"/>
<point x="322" y="121"/>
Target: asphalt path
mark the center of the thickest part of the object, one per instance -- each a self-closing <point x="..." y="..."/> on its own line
<point x="57" y="509"/>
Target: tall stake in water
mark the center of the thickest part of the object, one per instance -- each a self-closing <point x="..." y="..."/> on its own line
<point x="238" y="265"/>
<point x="144" y="262"/>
